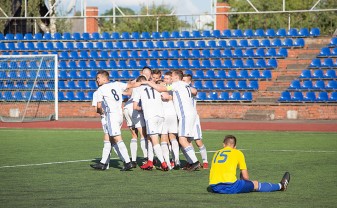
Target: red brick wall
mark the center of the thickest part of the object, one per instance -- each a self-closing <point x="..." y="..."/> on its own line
<point x="222" y="19"/>
<point x="92" y="23"/>
<point x="211" y="110"/>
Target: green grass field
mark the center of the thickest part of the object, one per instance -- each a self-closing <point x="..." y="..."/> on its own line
<point x="50" y="168"/>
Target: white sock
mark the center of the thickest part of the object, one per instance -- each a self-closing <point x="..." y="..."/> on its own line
<point x="203" y="153"/>
<point x="186" y="156"/>
<point x="150" y="151"/>
<point x="191" y="154"/>
<point x="159" y="153"/>
<point x="175" y="150"/>
<point x="166" y="153"/>
<point x="124" y="151"/>
<point x="118" y="153"/>
<point x="143" y="146"/>
<point x="106" y="152"/>
<point x="133" y="148"/>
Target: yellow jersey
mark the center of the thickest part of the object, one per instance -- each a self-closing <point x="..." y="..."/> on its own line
<point x="224" y="165"/>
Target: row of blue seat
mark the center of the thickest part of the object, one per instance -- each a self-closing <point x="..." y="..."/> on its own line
<point x="318" y="74"/>
<point x="225" y="96"/>
<point x="45" y="96"/>
<point x="323" y="63"/>
<point x="328" y="52"/>
<point x="238" y="33"/>
<point x="297" y="96"/>
<point x="173" y="64"/>
<point x="20" y="84"/>
<point x="309" y="85"/>
<point x="200" y="44"/>
<point x="226" y="85"/>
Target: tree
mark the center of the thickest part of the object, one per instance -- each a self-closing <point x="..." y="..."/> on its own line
<point x="326" y="21"/>
<point x="7" y="8"/>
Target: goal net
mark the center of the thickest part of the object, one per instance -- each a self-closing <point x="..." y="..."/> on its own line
<point x="28" y="88"/>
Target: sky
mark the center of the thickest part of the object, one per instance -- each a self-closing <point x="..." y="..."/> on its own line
<point x="180" y="6"/>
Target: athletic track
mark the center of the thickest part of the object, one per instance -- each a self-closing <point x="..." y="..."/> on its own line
<point x="208" y="124"/>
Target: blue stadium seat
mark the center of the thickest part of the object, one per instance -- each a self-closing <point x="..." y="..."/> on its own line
<point x="330" y="74"/>
<point x="293" y="32"/>
<point x="237" y="33"/>
<point x="134" y="74"/>
<point x="253" y="85"/>
<point x="156" y="35"/>
<point x="230" y="84"/>
<point x="222" y="44"/>
<point x="285" y="97"/>
<point x="112" y="64"/>
<point x="205" y="53"/>
<point x="216" y="63"/>
<point x="85" y="36"/>
<point x="142" y="63"/>
<point x="333" y="41"/>
<point x="282" y="53"/>
<point x="49" y="95"/>
<point x="213" y="96"/>
<point x="145" y="35"/>
<point x="327" y="63"/>
<point x="235" y="96"/>
<point x="129" y="45"/>
<point x="125" y="35"/>
<point x="315" y="32"/>
<point x="195" y="54"/>
<point x="83" y="74"/>
<point x="163" y="64"/>
<point x="72" y="74"/>
<point x="92" y="84"/>
<point x="216" y="34"/>
<point x="221" y="74"/>
<point x="261" y="63"/>
<point x="175" y="34"/>
<point x="260" y="53"/>
<point x="276" y="43"/>
<point x="238" y="63"/>
<point x="210" y="74"/>
<point x="184" y="54"/>
<point x="205" y="34"/>
<point x="272" y="63"/>
<point x="297" y="97"/>
<point x="299" y="42"/>
<point x="185" y="34"/>
<point x="66" y="36"/>
<point x="122" y="64"/>
<point x="305" y="74"/>
<point x="265" y="43"/>
<point x="201" y="96"/>
<point x="333" y="97"/>
<point x="76" y="36"/>
<point x="319" y="84"/>
<point x="288" y="43"/>
<point x="211" y="44"/>
<point x="304" y="32"/>
<point x="70" y="96"/>
<point x="307" y="85"/>
<point x="216" y="53"/>
<point x="254" y="74"/>
<point x="250" y="64"/>
<point x="165" y="35"/>
<point x="38" y="96"/>
<point x="200" y="44"/>
<point x="197" y="84"/>
<point x="135" y="35"/>
<point x="164" y="54"/>
<point x="295" y="85"/>
<point x="242" y="85"/>
<point x="28" y="36"/>
<point x="219" y="84"/>
<point x="184" y="64"/>
<point x="125" y="74"/>
<point x="248" y="33"/>
<point x="124" y="54"/>
<point x="81" y="85"/>
<point x="259" y="33"/>
<point x="270" y="33"/>
<point x="281" y="33"/>
<point x="80" y="96"/>
<point x="309" y="97"/>
<point x="93" y="54"/>
<point x="233" y="43"/>
<point x="243" y="74"/>
<point x="325" y="52"/>
<point x="195" y="34"/>
<point x="159" y="44"/>
<point x="224" y="96"/>
<point x="243" y="43"/>
<point x="318" y="74"/>
<point x="332" y="85"/>
<point x="195" y="64"/>
<point x="61" y="96"/>
<point x="322" y="97"/>
<point x="237" y="53"/>
<point x="228" y="64"/>
<point x="248" y="53"/>
<point x="82" y="65"/>
<point x="38" y="36"/>
<point x="247" y="96"/>
<point x="153" y="64"/>
<point x="208" y="84"/>
<point x="199" y="74"/>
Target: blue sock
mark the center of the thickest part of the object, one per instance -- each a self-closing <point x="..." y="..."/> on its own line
<point x="268" y="187"/>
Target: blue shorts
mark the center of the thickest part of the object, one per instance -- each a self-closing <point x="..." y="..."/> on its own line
<point x="239" y="186"/>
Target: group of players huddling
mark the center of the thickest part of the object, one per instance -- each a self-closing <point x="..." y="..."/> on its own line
<point x="162" y="112"/>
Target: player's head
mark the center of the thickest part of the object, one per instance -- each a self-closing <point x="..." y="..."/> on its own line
<point x="229" y="141"/>
<point x="161" y="82"/>
<point x="187" y="78"/>
<point x="146" y="71"/>
<point x="156" y="75"/>
<point x="102" y="77"/>
<point x="141" y="78"/>
<point x="168" y="77"/>
<point x="177" y="75"/>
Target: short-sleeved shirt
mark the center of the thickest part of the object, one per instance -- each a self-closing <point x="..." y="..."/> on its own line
<point x="110" y="95"/>
<point x="182" y="99"/>
<point x="169" y="109"/>
<point x="224" y="165"/>
<point x="151" y="102"/>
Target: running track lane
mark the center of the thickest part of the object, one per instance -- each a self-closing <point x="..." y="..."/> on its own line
<point x="219" y="125"/>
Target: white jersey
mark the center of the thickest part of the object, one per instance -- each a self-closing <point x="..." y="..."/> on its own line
<point x="168" y="107"/>
<point x="110" y="95"/>
<point x="182" y="99"/>
<point x="151" y="102"/>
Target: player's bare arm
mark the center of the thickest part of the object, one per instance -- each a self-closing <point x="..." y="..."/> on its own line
<point x="136" y="106"/>
<point x="158" y="87"/>
<point x="99" y="109"/>
<point x="194" y="91"/>
<point x="166" y="96"/>
<point x="244" y="175"/>
<point x="133" y="84"/>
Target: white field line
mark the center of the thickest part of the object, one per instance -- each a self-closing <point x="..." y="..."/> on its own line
<point x="88" y="160"/>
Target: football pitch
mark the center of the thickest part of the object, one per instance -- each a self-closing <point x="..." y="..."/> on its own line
<point x="50" y="168"/>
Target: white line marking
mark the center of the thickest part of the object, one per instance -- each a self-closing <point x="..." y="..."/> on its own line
<point x="77" y="161"/>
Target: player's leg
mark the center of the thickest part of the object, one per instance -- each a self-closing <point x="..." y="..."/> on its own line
<point x="172" y="129"/>
<point x="164" y="140"/>
<point x="270" y="187"/>
<point x="186" y="127"/>
<point x="134" y="135"/>
<point x="199" y="143"/>
<point x="106" y="151"/>
<point x="139" y="122"/>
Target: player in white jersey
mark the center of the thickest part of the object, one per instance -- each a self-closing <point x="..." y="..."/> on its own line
<point x="152" y="107"/>
<point x="186" y="113"/>
<point x="170" y="127"/>
<point x="106" y="152"/>
<point x="109" y="102"/>
<point x="197" y="131"/>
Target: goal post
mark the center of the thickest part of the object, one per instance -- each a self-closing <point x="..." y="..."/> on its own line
<point x="28" y="88"/>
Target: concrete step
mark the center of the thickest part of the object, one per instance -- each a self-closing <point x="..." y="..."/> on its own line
<point x="286" y="78"/>
<point x="307" y="56"/>
<point x="262" y="115"/>
<point x="297" y="66"/>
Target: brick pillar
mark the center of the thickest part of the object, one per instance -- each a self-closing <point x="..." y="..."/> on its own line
<point x="92" y="23"/>
<point x="222" y="21"/>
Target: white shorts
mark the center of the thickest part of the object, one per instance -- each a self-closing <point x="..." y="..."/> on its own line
<point x="197" y="129"/>
<point x="104" y="126"/>
<point x="170" y="125"/>
<point x="154" y="125"/>
<point x="114" y="123"/>
<point x="186" y="126"/>
<point x="134" y="118"/>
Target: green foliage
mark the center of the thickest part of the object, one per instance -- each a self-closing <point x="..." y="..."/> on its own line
<point x="144" y="23"/>
<point x="326" y="21"/>
<point x="310" y="158"/>
<point x="6" y="6"/>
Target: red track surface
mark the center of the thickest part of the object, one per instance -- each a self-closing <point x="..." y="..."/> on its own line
<point x="322" y="126"/>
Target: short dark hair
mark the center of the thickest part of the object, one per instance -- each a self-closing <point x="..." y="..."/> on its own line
<point x="188" y="75"/>
<point x="229" y="139"/>
<point x="159" y="81"/>
<point x="146" y="67"/>
<point x="141" y="78"/>
<point x="156" y="72"/>
<point x="168" y="73"/>
<point x="179" y="73"/>
<point x="103" y="72"/>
